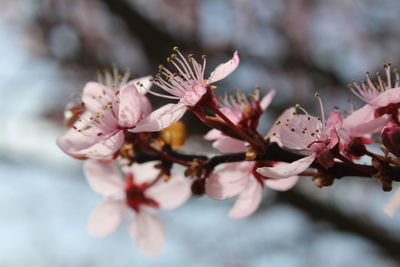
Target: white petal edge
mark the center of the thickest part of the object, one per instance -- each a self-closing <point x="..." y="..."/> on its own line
<point x="285" y="171"/>
<point x="247" y="202"/>
<point x="170" y="194"/>
<point x="147" y="232"/>
<point x="223" y="70"/>
<point x="160" y="118"/>
<point x="267" y="99"/>
<point x="106" y="217"/>
<point x="104" y="178"/>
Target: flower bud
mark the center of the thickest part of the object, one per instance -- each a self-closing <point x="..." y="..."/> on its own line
<point x="390" y="136"/>
<point x="198" y="187"/>
<point x="356" y="147"/>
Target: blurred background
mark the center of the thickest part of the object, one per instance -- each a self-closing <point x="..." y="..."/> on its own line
<point x="50" y="48"/>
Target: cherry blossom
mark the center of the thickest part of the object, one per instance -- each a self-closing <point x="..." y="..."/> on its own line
<point x="99" y="131"/>
<point x="383" y="95"/>
<point x="241" y="110"/>
<point x="314" y="136"/>
<point x="186" y="85"/>
<point x="141" y="194"/>
<point x="240" y="179"/>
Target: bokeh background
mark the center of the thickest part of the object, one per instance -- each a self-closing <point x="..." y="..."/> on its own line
<point x="50" y="48"/>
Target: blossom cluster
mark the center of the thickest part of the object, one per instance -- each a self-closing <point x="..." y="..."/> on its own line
<point x="130" y="150"/>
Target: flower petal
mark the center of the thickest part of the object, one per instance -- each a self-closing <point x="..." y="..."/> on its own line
<point x="224" y="69"/>
<point x="144" y="172"/>
<point x="106" y="147"/>
<point x="212" y="135"/>
<point x="143" y="84"/>
<point x="104" y="178"/>
<point x="248" y="201"/>
<point x="393" y="204"/>
<point x="267" y="99"/>
<point x="228" y="181"/>
<point x="160" y="118"/>
<point x="282" y="184"/>
<point x="387" y="97"/>
<point x="147" y="231"/>
<point x="129" y="106"/>
<point x="170" y="194"/>
<point x="227" y="144"/>
<point x="96" y="95"/>
<point x="285" y="171"/>
<point x="287" y="114"/>
<point x="106" y="217"/>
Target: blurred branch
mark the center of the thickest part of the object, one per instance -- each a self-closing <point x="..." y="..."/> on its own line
<point x="319" y="211"/>
<point x="156" y="43"/>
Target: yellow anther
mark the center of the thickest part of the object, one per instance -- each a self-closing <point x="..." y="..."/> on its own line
<point x="316" y="94"/>
<point x="190" y="55"/>
<point x="175" y="48"/>
<point x="168" y="59"/>
<point x="213" y="87"/>
<point x="278" y="122"/>
<point x="297" y="105"/>
<point x="160" y="67"/>
<point x="203" y="57"/>
<point x="173" y="56"/>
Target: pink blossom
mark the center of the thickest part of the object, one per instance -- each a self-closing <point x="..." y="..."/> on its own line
<point x="381" y="93"/>
<point x="139" y="195"/>
<point x="240" y="179"/>
<point x="362" y="122"/>
<point x="383" y="96"/>
<point x="99" y="132"/>
<point x="241" y="110"/>
<point x="186" y="85"/>
<point x="313" y="136"/>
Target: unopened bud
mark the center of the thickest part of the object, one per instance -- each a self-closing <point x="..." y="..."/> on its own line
<point x="322" y="179"/>
<point x="199" y="187"/>
<point x="390" y="136"/>
<point x="356" y="147"/>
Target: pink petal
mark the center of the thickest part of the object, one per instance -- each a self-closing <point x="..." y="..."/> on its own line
<point x="73" y="142"/>
<point x="170" y="194"/>
<point x="363" y="127"/>
<point x="106" y="147"/>
<point x="147" y="231"/>
<point x="104" y="178"/>
<point x="224" y="69"/>
<point x="160" y="118"/>
<point x="212" y="135"/>
<point x="129" y="106"/>
<point x="287" y="114"/>
<point x="144" y="172"/>
<point x="285" y="171"/>
<point x="393" y="204"/>
<point x="142" y="84"/>
<point x="227" y="144"/>
<point x="248" y="201"/>
<point x="282" y="184"/>
<point x="106" y="217"/>
<point x="267" y="99"/>
<point x="228" y="181"/>
<point x="334" y="120"/>
<point x="96" y="95"/>
<point x="387" y="97"/>
<point x="145" y="106"/>
<point x="88" y="144"/>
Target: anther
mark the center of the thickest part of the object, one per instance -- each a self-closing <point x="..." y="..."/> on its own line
<point x="316" y="94"/>
<point x="175" y="48"/>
